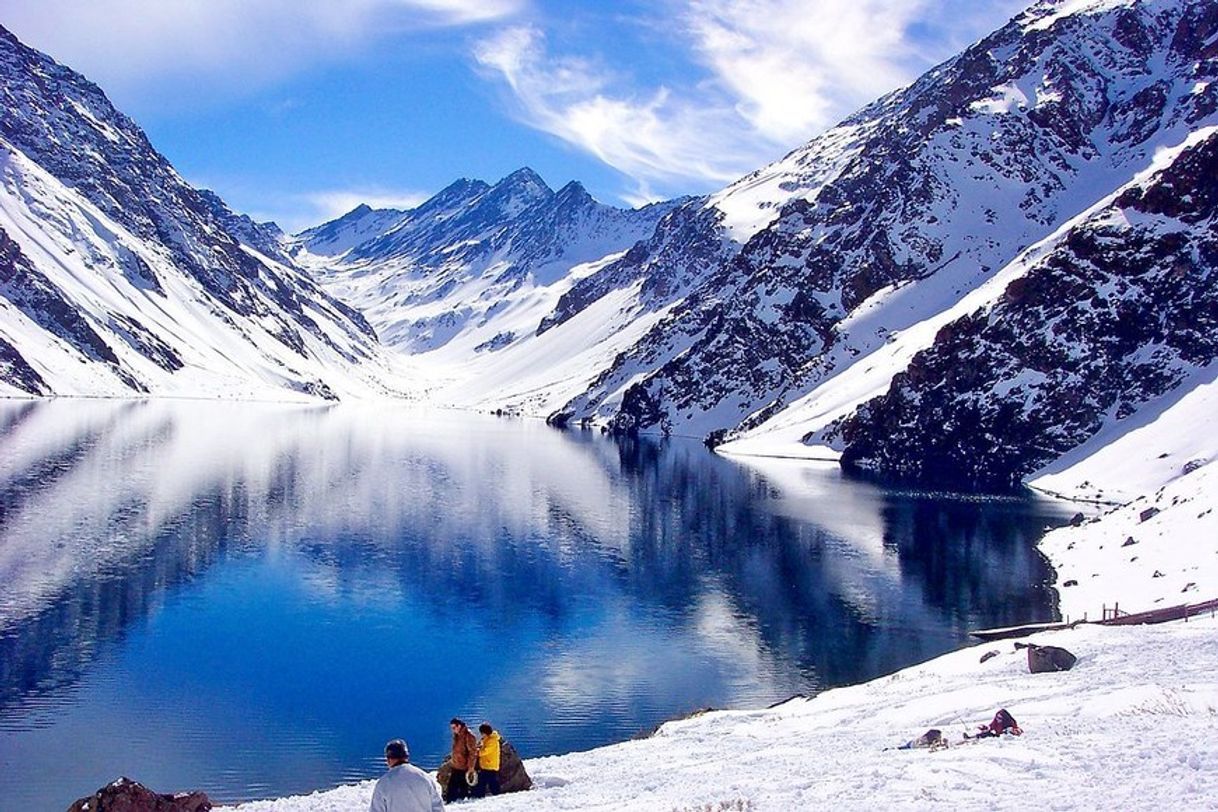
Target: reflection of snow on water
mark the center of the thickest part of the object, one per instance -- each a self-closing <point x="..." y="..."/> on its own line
<point x="274" y="586"/>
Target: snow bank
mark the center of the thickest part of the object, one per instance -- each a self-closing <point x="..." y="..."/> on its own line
<point x="1140" y="705"/>
<point x="1159" y="550"/>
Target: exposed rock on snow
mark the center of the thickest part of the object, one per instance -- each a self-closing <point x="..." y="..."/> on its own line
<point x="125" y="795"/>
<point x="1049" y="659"/>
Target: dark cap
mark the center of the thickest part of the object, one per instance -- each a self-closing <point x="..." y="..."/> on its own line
<point x="398" y="750"/>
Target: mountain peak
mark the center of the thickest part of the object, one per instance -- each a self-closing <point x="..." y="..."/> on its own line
<point x="525" y="176"/>
<point x="573" y="189"/>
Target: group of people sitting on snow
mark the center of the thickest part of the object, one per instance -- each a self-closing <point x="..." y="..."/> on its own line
<point x="475" y="773"/>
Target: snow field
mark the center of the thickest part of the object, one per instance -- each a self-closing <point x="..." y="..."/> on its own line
<point x="1131" y="724"/>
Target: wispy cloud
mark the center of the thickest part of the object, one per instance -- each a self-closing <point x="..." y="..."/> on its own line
<point x="654" y="136"/>
<point x="770" y="75"/>
<point x="296" y="211"/>
<point x="792" y="67"/>
<point x="335" y="202"/>
<point x="129" y="45"/>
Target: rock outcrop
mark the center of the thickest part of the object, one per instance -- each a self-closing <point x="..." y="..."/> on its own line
<point x="125" y="795"/>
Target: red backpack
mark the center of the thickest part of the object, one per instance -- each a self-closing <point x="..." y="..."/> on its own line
<point x="1003" y="723"/>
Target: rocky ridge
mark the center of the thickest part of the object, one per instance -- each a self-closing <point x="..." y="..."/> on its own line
<point x="113" y="261"/>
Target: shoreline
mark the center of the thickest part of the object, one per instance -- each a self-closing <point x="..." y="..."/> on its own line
<point x="1158" y="681"/>
<point x="836" y="748"/>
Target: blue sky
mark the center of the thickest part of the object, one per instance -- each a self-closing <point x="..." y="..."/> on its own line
<point x="297" y="110"/>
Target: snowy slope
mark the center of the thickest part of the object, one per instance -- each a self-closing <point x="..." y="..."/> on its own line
<point x="337" y="237"/>
<point x="1140" y="704"/>
<point x="118" y="278"/>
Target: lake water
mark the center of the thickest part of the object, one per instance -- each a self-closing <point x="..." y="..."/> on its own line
<point x="251" y="599"/>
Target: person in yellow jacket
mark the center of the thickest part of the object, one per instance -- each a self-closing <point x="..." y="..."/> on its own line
<point x="488" y="762"/>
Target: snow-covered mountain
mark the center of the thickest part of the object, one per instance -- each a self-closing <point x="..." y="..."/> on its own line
<point x="465" y="267"/>
<point x="816" y="278"/>
<point x="117" y="277"/>
<point x="1111" y="315"/>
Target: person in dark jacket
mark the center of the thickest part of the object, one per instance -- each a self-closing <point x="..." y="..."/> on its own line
<point x="464" y="760"/>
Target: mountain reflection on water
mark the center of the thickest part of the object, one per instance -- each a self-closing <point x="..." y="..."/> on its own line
<point x="251" y="599"/>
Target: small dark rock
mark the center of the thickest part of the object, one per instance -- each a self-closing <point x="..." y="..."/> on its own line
<point x="1193" y="465"/>
<point x="1189" y="587"/>
<point x="125" y="795"/>
<point x="989" y="655"/>
<point x="1077" y="519"/>
<point x="1046" y="659"/>
<point x="1129" y="542"/>
<point x="1157" y="574"/>
<point x="1148" y="514"/>
<point x="1071" y="582"/>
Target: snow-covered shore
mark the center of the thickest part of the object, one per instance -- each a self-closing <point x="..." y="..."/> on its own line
<point x="1133" y="721"/>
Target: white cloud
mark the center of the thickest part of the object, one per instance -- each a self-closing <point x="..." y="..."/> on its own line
<point x="134" y="45"/>
<point x="296" y="211"/>
<point x="771" y="75"/>
<point x="653" y="137"/>
<point x="336" y="202"/>
<point x="793" y="67"/>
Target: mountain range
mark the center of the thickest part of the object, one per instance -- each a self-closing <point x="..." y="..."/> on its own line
<point x="964" y="283"/>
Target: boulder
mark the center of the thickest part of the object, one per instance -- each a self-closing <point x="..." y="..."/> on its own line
<point x="125" y="795"/>
<point x="443" y="774"/>
<point x="512" y="775"/>
<point x="1045" y="659"/>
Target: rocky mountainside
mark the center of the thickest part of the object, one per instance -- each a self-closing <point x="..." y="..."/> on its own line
<point x="814" y="266"/>
<point x="118" y="277"/>
<point x="1122" y="309"/>
<point x="446" y="269"/>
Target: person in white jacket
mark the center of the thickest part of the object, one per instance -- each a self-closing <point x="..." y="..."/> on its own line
<point x="405" y="788"/>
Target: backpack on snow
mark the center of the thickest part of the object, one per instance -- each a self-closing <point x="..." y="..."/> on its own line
<point x="1003" y="722"/>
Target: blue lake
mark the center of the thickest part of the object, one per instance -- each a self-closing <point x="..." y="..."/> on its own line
<point x="251" y="599"/>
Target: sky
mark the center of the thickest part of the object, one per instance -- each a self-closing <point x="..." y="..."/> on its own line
<point x="298" y="110"/>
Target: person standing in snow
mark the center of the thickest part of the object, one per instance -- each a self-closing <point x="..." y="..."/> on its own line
<point x="405" y="788"/>
<point x="464" y="760"/>
<point x="488" y="762"/>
